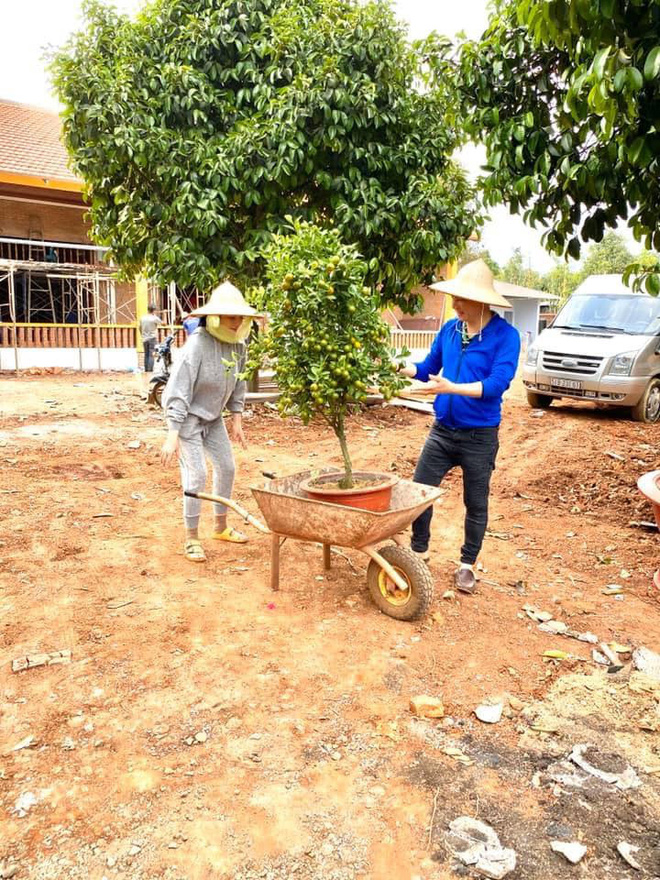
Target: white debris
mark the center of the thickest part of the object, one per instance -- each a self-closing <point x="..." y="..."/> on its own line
<point x="31" y="661"/>
<point x="476" y="844"/>
<point x="24" y="803"/>
<point x="647" y="662"/>
<point x="489" y="713"/>
<point x="626" y="851"/>
<point x="573" y="851"/>
<point x="624" y="781"/>
<point x="566" y="773"/>
<point x="587" y="637"/>
<point x="24" y="744"/>
<point x="553" y="627"/>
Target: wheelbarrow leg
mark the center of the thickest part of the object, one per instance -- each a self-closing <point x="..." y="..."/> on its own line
<point x="275" y="562"/>
<point x="327" y="556"/>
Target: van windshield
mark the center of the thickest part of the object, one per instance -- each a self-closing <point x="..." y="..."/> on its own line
<point x="622" y="313"/>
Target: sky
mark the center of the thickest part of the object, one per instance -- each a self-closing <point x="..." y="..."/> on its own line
<point x="31" y="25"/>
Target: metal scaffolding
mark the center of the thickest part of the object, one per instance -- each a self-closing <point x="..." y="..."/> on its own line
<point x="57" y="294"/>
<point x="64" y="293"/>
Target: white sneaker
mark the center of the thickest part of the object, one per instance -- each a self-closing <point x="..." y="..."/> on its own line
<point x="424" y="555"/>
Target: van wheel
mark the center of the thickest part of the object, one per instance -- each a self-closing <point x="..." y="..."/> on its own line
<point x="648" y="408"/>
<point x="538" y="401"/>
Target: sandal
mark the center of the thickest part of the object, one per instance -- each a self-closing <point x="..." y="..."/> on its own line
<point x="194" y="551"/>
<point x="231" y="535"/>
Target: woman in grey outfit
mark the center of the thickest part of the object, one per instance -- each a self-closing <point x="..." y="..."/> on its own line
<point x="203" y="383"/>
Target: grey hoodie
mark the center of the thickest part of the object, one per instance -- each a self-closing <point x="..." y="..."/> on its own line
<point x="201" y="382"/>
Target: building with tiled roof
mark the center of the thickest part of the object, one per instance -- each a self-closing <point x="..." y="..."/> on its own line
<point x="31" y="150"/>
<point x="60" y="302"/>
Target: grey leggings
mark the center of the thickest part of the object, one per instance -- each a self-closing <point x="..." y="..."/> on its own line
<point x="197" y="437"/>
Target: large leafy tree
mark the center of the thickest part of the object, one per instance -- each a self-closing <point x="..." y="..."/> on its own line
<point x="477" y="251"/>
<point x="560" y="282"/>
<point x="566" y="96"/>
<point x="199" y="125"/>
<point x="610" y="256"/>
<point x="517" y="270"/>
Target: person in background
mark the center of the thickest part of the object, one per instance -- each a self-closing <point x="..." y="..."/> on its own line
<point x="149" y="325"/>
<point x="477" y="353"/>
<point x="203" y="383"/>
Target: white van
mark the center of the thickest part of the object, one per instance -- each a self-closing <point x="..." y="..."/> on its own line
<point x="604" y="345"/>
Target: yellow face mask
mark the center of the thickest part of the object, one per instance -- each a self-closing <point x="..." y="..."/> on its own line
<point x="222" y="333"/>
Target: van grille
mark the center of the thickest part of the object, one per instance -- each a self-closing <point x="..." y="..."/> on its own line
<point x="581" y="365"/>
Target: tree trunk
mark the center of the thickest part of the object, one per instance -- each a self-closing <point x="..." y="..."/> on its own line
<point x="347" y="482"/>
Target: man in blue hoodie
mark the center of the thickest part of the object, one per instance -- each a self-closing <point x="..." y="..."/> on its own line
<point x="477" y="354"/>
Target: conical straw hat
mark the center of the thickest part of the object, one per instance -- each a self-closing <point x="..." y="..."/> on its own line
<point x="226" y="300"/>
<point x="474" y="282"/>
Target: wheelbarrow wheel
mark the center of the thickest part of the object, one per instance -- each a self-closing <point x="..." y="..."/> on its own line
<point x="403" y="605"/>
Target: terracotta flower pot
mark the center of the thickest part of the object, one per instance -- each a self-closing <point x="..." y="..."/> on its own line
<point x="376" y="497"/>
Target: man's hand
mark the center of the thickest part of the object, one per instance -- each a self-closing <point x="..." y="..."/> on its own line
<point x="170" y="450"/>
<point x="409" y="371"/>
<point x="236" y="430"/>
<point x="439" y="385"/>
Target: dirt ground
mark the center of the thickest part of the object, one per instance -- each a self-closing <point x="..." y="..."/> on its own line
<point x="209" y="728"/>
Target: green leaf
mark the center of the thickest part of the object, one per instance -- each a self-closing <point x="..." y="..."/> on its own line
<point x="652" y="64"/>
<point x="620" y="79"/>
<point x="573" y="249"/>
<point x="652" y="284"/>
<point x="600" y="61"/>
<point x="635" y="150"/>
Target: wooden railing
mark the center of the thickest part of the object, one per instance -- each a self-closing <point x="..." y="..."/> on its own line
<point x="412" y="339"/>
<point x="77" y="335"/>
<point x="68" y="336"/>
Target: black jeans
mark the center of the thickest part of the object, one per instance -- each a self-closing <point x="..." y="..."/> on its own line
<point x="149" y="345"/>
<point x="474" y="450"/>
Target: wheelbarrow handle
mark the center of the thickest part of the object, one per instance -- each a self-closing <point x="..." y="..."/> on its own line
<point x="241" y="511"/>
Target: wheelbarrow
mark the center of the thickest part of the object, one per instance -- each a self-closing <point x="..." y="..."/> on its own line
<point x="398" y="580"/>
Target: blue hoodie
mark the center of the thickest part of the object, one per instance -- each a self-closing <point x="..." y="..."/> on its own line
<point x="491" y="358"/>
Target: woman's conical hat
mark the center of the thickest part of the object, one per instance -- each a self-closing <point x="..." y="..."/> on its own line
<point x="226" y="300"/>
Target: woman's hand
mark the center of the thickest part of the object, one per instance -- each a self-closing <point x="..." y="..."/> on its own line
<point x="170" y="450"/>
<point x="236" y="430"/>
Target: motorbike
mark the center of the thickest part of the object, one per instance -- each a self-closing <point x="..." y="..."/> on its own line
<point x="162" y="367"/>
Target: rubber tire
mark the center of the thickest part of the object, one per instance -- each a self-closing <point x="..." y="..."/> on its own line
<point x="638" y="412"/>
<point x="155" y="397"/>
<point x="417" y="572"/>
<point x="538" y="401"/>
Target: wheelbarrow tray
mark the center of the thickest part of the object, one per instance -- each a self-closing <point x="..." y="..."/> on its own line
<point x="289" y="512"/>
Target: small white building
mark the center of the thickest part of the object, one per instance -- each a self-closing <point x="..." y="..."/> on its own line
<point x="526" y="303"/>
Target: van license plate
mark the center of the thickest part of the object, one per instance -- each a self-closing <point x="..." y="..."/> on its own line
<point x="567" y="383"/>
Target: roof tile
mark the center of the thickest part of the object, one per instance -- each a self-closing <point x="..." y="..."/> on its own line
<point x="30" y="143"/>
